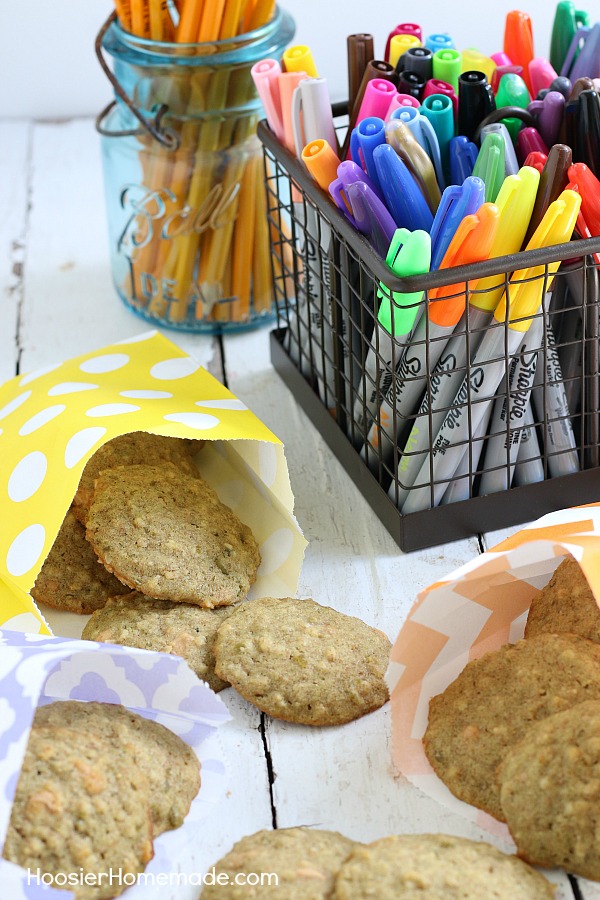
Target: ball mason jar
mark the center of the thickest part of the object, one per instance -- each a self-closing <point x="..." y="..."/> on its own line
<point x="183" y="175"/>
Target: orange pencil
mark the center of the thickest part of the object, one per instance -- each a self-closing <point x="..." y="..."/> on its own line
<point x="189" y="22"/>
<point x="123" y="8"/>
<point x="210" y="24"/>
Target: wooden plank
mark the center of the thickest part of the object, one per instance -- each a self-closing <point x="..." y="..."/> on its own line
<point x="341" y="778"/>
<point x="15" y="140"/>
<point x="70" y="304"/>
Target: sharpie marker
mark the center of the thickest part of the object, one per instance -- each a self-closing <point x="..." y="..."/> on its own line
<point x="511" y="320"/>
<point x="471" y="243"/>
<point x="409" y="254"/>
<point x="529" y="468"/>
<point x="508" y="413"/>
<point x="461" y="486"/>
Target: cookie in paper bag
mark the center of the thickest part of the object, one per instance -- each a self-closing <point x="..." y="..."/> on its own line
<point x="167" y="535"/>
<point x="127" y="450"/>
<point x="550" y="791"/>
<point x="79" y="806"/>
<point x="182" y="629"/>
<point x="565" y="604"/>
<point x="304" y="861"/>
<point x="72" y="577"/>
<point x="493" y="702"/>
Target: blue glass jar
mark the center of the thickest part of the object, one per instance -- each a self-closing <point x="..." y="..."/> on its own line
<point x="183" y="175"/>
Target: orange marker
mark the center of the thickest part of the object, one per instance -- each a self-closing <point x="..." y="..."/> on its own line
<point x="518" y="42"/>
<point x="471" y="243"/>
<point x="321" y="161"/>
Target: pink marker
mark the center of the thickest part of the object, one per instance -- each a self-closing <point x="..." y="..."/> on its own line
<point x="265" y="75"/>
<point x="541" y="75"/>
<point x="499" y="71"/>
<point x="435" y="86"/>
<point x="401" y="100"/>
<point x="501" y="59"/>
<point x="376" y="99"/>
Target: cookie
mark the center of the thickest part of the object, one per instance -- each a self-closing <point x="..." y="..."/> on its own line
<point x="169" y="765"/>
<point x="302" y="662"/>
<point x="129" y="449"/>
<point x="493" y="702"/>
<point x="565" y="604"/>
<point x="438" y="867"/>
<point x="167" y="535"/>
<point x="79" y="808"/>
<point x="72" y="577"/>
<point x="304" y="861"/>
<point x="550" y="791"/>
<point x="179" y="628"/>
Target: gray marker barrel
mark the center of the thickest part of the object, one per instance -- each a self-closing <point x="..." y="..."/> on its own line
<point x="405" y="391"/>
<point x="460" y="487"/>
<point x="444" y="383"/>
<point x="529" y="468"/>
<point x="508" y="414"/>
<point x="551" y="407"/>
<point x="471" y="404"/>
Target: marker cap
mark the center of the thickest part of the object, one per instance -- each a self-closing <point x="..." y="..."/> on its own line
<point x="490" y="165"/>
<point x="435" y="86"/>
<point x="529" y="139"/>
<point x="541" y="74"/>
<point x="322" y="162"/>
<point x="536" y="160"/>
<point x="437" y="42"/>
<point x="360" y="51"/>
<point x="475" y="101"/>
<point x="299" y="59"/>
<point x="447" y="66"/>
<point x="463" y="154"/>
<point x="525" y="292"/>
<point x="399" y="44"/>
<point x="474" y="60"/>
<point x="409" y="254"/>
<point x="518" y="41"/>
<point x="582" y="177"/>
<point x="405" y="28"/>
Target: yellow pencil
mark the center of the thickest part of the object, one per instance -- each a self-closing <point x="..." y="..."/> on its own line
<point x="243" y="243"/>
<point x="123" y="8"/>
<point x="261" y="14"/>
<point x="231" y="19"/>
<point x="262" y="282"/>
<point x="210" y="24"/>
<point x="139" y="18"/>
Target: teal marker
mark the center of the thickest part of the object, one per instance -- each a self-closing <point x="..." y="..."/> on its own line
<point x="489" y="165"/>
<point x="409" y="254"/>
<point x="438" y="108"/>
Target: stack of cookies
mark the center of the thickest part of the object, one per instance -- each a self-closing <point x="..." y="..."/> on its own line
<point x="517" y="734"/>
<point x="311" y="864"/>
<point x="98" y="783"/>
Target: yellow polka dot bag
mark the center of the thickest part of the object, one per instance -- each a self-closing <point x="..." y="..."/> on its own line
<point x="53" y="420"/>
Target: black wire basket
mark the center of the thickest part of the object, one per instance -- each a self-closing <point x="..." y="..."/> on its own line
<point x="526" y="448"/>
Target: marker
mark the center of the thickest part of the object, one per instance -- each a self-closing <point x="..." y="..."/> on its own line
<point x="411" y="83"/>
<point x="376" y="68"/>
<point x="360" y="52"/>
<point x="500" y="72"/>
<point x="371" y="216"/>
<point x="399" y="44"/>
<point x="436" y="86"/>
<point x="471" y="243"/>
<point x="541" y="74"/>
<point x="518" y="41"/>
<point x="583" y="55"/>
<point x="405" y="28"/>
<point x="461" y="486"/>
<point x="402" y="195"/>
<point x="437" y="42"/>
<point x="463" y="155"/>
<point x="475" y="101"/>
<point x="528" y="140"/>
<point x="409" y="254"/>
<point x="554" y="179"/>
<point x="457" y="202"/>
<point x="420" y="60"/>
<point x="401" y="101"/>
<point x="366" y="137"/>
<point x="515" y="202"/>
<point x="549" y="114"/>
<point x="529" y="468"/>
<point x="424" y="132"/>
<point x="588" y="130"/>
<point x="567" y="20"/>
<point x="474" y="61"/>
<point x="508" y="413"/>
<point x="489" y="165"/>
<point x="511" y="166"/>
<point x="299" y="59"/>
<point x="311" y="114"/>
<point x="513" y="91"/>
<point x="439" y="110"/>
<point x="447" y="65"/>
<point x="511" y="320"/>
<point x="265" y="75"/>
<point x="376" y="99"/>
<point x="419" y="164"/>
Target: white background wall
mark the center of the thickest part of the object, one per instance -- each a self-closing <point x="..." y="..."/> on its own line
<point x="48" y="68"/>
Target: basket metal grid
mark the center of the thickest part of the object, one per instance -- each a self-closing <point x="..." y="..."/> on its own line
<point x="528" y="447"/>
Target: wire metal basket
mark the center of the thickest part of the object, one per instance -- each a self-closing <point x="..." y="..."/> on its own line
<point x="527" y="447"/>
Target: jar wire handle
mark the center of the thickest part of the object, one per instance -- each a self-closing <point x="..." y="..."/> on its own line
<point x="154" y="127"/>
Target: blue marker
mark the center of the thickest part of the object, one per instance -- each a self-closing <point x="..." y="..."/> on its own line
<point x="403" y="197"/>
<point x="456" y="203"/>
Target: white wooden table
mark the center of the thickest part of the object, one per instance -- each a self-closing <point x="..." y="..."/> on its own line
<point x="57" y="301"/>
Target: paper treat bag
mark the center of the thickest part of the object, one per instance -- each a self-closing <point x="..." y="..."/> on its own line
<point x="36" y="670"/>
<point x="53" y="420"/>
<point x="477" y="608"/>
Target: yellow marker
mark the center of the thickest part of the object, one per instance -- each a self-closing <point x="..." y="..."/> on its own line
<point x="515" y="202"/>
<point x="399" y="44"/>
<point x="473" y="60"/>
<point x="300" y="59"/>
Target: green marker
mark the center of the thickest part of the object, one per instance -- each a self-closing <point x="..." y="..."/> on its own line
<point x="409" y="254"/>
<point x="512" y="91"/>
<point x="567" y="20"/>
<point x="447" y="66"/>
<point x="489" y="165"/>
